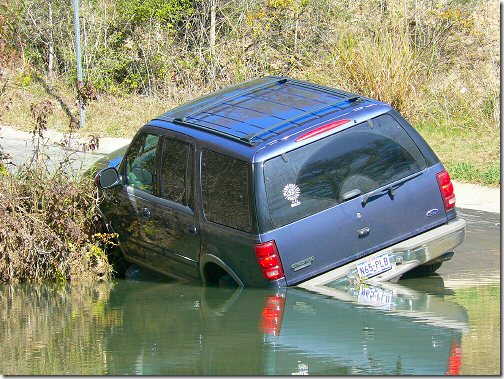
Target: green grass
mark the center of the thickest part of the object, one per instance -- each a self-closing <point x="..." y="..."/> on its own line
<point x="469" y="155"/>
<point x="465" y="171"/>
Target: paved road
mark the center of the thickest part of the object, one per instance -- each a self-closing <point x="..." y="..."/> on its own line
<point x="20" y="146"/>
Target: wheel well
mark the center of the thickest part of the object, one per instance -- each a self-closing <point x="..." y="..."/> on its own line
<point x="212" y="273"/>
<point x="215" y="274"/>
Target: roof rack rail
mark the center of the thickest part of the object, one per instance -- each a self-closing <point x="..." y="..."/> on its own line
<point x="251" y="136"/>
<point x="247" y="139"/>
<point x="319" y="87"/>
<point x="238" y="94"/>
<point x="208" y="129"/>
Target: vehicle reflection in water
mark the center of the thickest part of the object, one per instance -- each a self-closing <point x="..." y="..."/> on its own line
<point x="169" y="328"/>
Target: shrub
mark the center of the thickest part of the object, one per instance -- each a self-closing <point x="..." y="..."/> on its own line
<point x="49" y="228"/>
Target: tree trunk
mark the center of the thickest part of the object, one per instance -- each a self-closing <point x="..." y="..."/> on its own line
<point x="51" y="64"/>
<point x="212" y="26"/>
<point x="212" y="37"/>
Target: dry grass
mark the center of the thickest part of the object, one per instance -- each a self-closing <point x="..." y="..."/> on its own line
<point x="383" y="67"/>
<point x="50" y="229"/>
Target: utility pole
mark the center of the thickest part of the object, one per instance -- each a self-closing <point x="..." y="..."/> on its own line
<point x="79" y="61"/>
<point x="213" y="7"/>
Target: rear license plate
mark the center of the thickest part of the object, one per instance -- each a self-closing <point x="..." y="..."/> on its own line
<point x="374" y="266"/>
<point x="375" y="296"/>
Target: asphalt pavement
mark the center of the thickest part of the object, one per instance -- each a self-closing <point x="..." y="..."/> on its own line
<point x="21" y="146"/>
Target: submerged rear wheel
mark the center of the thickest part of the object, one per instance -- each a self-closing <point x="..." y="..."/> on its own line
<point x="214" y="274"/>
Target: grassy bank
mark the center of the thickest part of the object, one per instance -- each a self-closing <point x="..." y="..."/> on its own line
<point x="436" y="63"/>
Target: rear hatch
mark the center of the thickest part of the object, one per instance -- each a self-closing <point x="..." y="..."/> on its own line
<point x="348" y="195"/>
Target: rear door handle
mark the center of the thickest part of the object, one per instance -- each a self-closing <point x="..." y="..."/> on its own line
<point x="145" y="213"/>
<point x="191" y="229"/>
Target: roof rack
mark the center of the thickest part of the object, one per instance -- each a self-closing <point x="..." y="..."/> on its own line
<point x="251" y="136"/>
<point x="321" y="88"/>
<point x="180" y="121"/>
<point x="238" y="94"/>
<point x="248" y="139"/>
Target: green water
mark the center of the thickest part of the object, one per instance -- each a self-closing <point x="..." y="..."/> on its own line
<point x="419" y="326"/>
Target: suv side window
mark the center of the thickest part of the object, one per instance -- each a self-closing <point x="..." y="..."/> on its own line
<point x="225" y="186"/>
<point x="177" y="172"/>
<point x="141" y="163"/>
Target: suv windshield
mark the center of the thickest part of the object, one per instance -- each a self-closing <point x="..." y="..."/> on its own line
<point x="315" y="177"/>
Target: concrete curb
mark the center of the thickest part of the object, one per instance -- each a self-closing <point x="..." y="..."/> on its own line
<point x="474" y="196"/>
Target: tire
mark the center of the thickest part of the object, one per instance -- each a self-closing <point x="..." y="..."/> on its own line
<point x="423" y="270"/>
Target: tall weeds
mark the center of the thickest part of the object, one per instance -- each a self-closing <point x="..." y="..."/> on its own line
<point x="49" y="225"/>
<point x="383" y="66"/>
<point x="49" y="228"/>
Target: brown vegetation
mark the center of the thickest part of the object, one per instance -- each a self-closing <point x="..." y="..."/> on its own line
<point x="49" y="226"/>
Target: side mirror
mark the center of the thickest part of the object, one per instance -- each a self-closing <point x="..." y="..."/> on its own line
<point x="107" y="178"/>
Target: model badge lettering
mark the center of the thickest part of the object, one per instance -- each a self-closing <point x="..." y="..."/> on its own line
<point x="432" y="212"/>
<point x="302" y="264"/>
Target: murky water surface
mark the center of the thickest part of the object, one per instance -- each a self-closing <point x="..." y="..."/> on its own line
<point x="418" y="326"/>
<point x="443" y="324"/>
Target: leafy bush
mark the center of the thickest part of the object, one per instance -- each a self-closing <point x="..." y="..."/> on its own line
<point x="49" y="228"/>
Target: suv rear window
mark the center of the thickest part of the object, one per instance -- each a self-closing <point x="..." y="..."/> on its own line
<point x="366" y="156"/>
<point x="224" y="182"/>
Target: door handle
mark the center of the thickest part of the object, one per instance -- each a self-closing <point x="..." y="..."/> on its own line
<point x="191" y="229"/>
<point x="145" y="213"/>
<point x="363" y="232"/>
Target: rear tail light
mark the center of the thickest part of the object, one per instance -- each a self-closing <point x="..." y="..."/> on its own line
<point x="269" y="260"/>
<point x="271" y="317"/>
<point x="446" y="187"/>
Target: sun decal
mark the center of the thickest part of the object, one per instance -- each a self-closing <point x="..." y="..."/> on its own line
<point x="291" y="193"/>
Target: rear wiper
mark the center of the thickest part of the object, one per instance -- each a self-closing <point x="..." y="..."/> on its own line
<point x="389" y="187"/>
<point x="350" y="194"/>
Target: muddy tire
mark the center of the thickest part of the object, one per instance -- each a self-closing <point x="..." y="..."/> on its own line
<point x="423" y="270"/>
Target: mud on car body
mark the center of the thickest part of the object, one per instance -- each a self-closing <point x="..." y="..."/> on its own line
<point x="275" y="182"/>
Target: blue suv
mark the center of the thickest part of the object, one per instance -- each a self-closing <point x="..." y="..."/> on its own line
<point x="275" y="182"/>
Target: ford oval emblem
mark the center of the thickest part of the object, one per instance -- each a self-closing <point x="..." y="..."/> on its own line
<point x="432" y="212"/>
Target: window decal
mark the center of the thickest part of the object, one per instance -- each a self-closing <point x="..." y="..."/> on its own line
<point x="291" y="193"/>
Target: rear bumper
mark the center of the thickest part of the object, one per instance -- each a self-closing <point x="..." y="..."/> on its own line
<point x="404" y="256"/>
